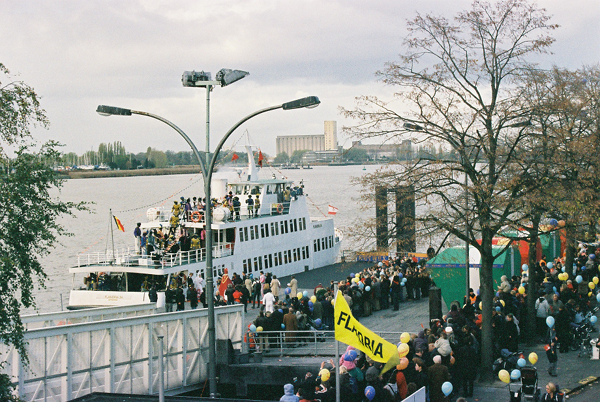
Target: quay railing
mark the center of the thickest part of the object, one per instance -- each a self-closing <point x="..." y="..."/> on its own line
<point x="300" y="343"/>
<point x="45" y="320"/>
<point x="118" y="355"/>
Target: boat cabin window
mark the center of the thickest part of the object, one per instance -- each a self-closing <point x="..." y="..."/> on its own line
<point x="271" y="188"/>
<point x="256" y="190"/>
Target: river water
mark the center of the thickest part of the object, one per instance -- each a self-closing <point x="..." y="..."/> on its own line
<point x="130" y="197"/>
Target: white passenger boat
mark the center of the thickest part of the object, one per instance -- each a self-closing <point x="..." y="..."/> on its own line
<point x="282" y="239"/>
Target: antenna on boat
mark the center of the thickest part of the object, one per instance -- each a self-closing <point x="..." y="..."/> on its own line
<point x="252" y="170"/>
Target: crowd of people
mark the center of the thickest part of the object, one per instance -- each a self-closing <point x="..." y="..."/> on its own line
<point x="449" y="350"/>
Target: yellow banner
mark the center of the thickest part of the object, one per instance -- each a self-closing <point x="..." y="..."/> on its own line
<point x="351" y="332"/>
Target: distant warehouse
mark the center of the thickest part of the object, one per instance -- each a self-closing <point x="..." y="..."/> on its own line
<point x="317" y="142"/>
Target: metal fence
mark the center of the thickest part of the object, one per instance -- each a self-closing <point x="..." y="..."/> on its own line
<point x="299" y="343"/>
<point x="118" y="355"/>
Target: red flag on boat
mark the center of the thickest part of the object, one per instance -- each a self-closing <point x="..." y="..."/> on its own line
<point x="119" y="224"/>
<point x="260" y="158"/>
<point x="235" y="157"/>
<point x="332" y="210"/>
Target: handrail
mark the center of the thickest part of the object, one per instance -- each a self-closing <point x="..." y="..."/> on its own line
<point x="130" y="258"/>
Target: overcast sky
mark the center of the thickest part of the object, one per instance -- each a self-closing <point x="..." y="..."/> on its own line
<point x="79" y="54"/>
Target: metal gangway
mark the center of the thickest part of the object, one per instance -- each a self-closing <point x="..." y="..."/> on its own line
<point x="72" y="354"/>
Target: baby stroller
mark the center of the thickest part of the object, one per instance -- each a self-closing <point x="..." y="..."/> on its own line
<point x="528" y="389"/>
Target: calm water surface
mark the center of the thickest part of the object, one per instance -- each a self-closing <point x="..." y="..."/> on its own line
<point x="130" y="197"/>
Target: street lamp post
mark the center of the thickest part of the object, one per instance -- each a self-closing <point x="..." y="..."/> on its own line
<point x="207" y="171"/>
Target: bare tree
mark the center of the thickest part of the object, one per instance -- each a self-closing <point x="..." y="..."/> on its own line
<point x="457" y="84"/>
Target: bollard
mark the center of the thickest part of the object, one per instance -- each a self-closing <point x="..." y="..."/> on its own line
<point x="595" y="351"/>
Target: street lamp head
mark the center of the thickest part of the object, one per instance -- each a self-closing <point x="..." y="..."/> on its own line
<point x="194" y="79"/>
<point x="104" y="110"/>
<point x="413" y="127"/>
<point x="224" y="77"/>
<point x="227" y="76"/>
<point x="309" y="102"/>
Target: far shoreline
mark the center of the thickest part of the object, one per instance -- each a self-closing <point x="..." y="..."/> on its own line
<point x="188" y="169"/>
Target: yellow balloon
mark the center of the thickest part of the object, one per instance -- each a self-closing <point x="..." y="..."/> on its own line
<point x="324" y="374"/>
<point x="502" y="302"/>
<point x="299" y="295"/>
<point x="333" y="302"/>
<point x="590" y="294"/>
<point x="591" y="285"/>
<point x="405" y="337"/>
<point x="533" y="358"/>
<point x="504" y="376"/>
<point x="521" y="290"/>
<point x="480" y="305"/>
<point x="403" y="349"/>
<point x="355" y="280"/>
<point x="313" y="299"/>
<point x="357" y="276"/>
<point x="595" y="279"/>
<point x="259" y="329"/>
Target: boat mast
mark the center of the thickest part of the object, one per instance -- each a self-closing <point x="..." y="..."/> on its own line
<point x="112" y="236"/>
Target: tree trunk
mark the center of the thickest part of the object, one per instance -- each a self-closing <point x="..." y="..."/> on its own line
<point x="534" y="279"/>
<point x="571" y="249"/>
<point x="487" y="297"/>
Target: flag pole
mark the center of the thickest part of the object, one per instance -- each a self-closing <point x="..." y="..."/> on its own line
<point x="112" y="234"/>
<point x="337" y="354"/>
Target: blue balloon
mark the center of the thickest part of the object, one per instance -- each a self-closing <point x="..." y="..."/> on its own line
<point x="282" y="326"/>
<point x="253" y="328"/>
<point x="553" y="222"/>
<point x="498" y="308"/>
<point x="598" y="297"/>
<point x="361" y="285"/>
<point x="310" y="303"/>
<point x="550" y="265"/>
<point x="402" y="284"/>
<point x="280" y="310"/>
<point x="593" y="319"/>
<point x="515" y="374"/>
<point x="550" y="321"/>
<point x="554" y="289"/>
<point x="370" y="392"/>
<point x="368" y="288"/>
<point x="400" y="275"/>
<point x="311" y="309"/>
<point x="525" y="267"/>
<point x="578" y="279"/>
<point x="318" y="323"/>
<point x="521" y="362"/>
<point x="447" y="388"/>
<point x="351" y="275"/>
<point x="353" y="355"/>
<point x="305" y="293"/>
<point x="592" y="256"/>
<point x="404" y="280"/>
<point x="288" y="291"/>
<point x="563" y="269"/>
<point x="583" y="268"/>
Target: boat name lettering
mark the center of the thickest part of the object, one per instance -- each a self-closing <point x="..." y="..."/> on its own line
<point x="318" y="225"/>
<point x="113" y="297"/>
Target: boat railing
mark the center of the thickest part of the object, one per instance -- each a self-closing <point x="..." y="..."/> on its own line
<point x="107" y="257"/>
<point x="128" y="257"/>
<point x="192" y="256"/>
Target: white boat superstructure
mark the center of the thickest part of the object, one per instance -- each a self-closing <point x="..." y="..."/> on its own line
<point x="279" y="237"/>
